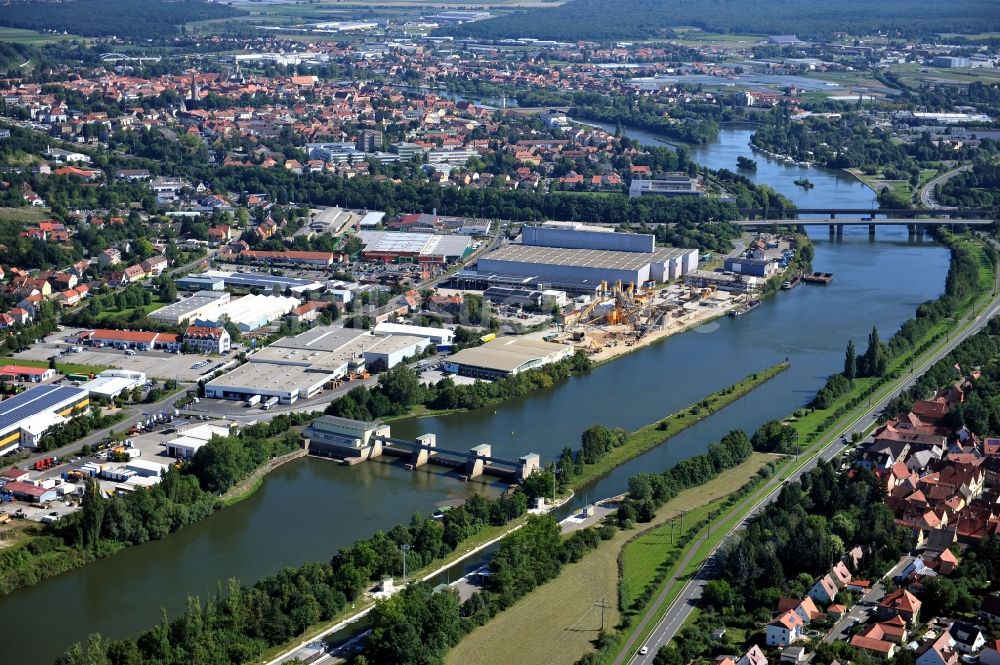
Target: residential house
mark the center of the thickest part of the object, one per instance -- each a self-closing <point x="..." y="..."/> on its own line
<point x="207" y="339"/>
<point x="899" y="603"/>
<point x="784" y="630"/>
<point x="109" y="257"/>
<point x="753" y="656"/>
<point x="941" y="652"/>
<point x="155" y="265"/>
<point x="968" y="638"/>
<point x="824" y="591"/>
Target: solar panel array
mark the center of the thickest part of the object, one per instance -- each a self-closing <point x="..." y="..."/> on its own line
<point x="264" y="281"/>
<point x="34" y="401"/>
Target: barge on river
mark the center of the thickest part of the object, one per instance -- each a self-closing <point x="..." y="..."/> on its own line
<point x="818" y="278"/>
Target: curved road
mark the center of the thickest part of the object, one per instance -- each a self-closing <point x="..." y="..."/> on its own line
<point x="927" y="192"/>
<point x="680" y="609"/>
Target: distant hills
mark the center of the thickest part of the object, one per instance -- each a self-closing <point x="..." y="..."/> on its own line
<point x="132" y="19"/>
<point x="637" y="19"/>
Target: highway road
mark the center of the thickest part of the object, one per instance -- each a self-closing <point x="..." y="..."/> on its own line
<point x="927" y="192"/>
<point x="682" y="606"/>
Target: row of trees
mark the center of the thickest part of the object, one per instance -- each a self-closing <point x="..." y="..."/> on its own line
<point x="961" y="285"/>
<point x="400" y="389"/>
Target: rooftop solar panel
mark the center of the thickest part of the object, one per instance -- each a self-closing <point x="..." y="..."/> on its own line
<point x="34" y="401"/>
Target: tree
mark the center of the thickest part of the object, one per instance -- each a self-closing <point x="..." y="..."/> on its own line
<point x="775" y="437"/>
<point x="93" y="513"/>
<point x="850" y="361"/>
<point x="875" y="362"/>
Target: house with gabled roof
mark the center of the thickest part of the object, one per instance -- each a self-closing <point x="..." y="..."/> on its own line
<point x="824" y="591"/>
<point x="784" y="630"/>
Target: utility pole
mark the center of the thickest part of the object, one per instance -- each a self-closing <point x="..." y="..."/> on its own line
<point x="603" y="604"/>
<point x="405" y="548"/>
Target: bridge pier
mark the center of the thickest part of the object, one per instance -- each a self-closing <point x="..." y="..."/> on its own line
<point x="421" y="455"/>
<point x="871" y="230"/>
<point x="840" y="230"/>
<point x="832" y="230"/>
<point x="475" y="463"/>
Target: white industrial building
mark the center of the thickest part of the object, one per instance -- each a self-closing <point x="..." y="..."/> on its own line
<point x="440" y="337"/>
<point x="577" y="235"/>
<point x="300" y="367"/>
<point x="25" y="417"/>
<point x="249" y="312"/>
<point x="200" y="304"/>
<point x="113" y="382"/>
<point x="588" y="266"/>
<point x="506" y="356"/>
<point x="191" y="440"/>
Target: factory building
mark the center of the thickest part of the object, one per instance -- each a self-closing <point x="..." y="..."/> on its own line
<point x="113" y="382"/>
<point x="753" y="267"/>
<point x="249" y="312"/>
<point x="27" y="416"/>
<point x="219" y="280"/>
<point x="440" y="337"/>
<point x="588" y="266"/>
<point x="674" y="184"/>
<point x="575" y="235"/>
<point x="26" y="374"/>
<point x="300" y="367"/>
<point x="139" y="340"/>
<point x="289" y="383"/>
<point x="506" y="356"/>
<point x="191" y="440"/>
<point x="201" y="304"/>
<point x="394" y="246"/>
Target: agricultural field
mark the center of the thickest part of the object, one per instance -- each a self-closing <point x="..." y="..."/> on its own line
<point x="19" y="36"/>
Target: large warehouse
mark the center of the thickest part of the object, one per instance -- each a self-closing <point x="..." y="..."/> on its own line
<point x="588" y="266"/>
<point x="25" y="417"/>
<point x="576" y="235"/>
<point x="299" y="367"/>
<point x="249" y="312"/>
<point x="505" y="356"/>
<point x="389" y="246"/>
<point x="201" y="304"/>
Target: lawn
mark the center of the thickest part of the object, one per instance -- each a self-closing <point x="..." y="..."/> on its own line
<point x="557" y="623"/>
<point x="62" y="368"/>
<point x="27" y="214"/>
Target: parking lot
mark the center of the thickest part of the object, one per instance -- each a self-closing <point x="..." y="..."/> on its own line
<point x="155" y="364"/>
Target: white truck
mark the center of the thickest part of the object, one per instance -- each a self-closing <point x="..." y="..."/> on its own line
<point x="271" y="401"/>
<point x="253" y="401"/>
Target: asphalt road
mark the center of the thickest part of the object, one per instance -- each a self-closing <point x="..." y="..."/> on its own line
<point x="864" y="608"/>
<point x="927" y="193"/>
<point x="135" y="415"/>
<point x="681" y="608"/>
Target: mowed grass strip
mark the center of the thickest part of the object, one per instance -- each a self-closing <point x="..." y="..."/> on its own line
<point x="557" y="623"/>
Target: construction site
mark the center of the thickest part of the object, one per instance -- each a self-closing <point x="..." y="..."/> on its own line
<point x="621" y="317"/>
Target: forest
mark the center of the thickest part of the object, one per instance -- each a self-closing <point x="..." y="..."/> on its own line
<point x="147" y="19"/>
<point x="593" y="19"/>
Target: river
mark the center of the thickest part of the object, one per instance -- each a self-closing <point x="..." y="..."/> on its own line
<point x="309" y="508"/>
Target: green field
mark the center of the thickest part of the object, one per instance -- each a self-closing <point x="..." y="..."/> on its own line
<point x="27" y="214"/>
<point x="62" y="368"/>
<point x="557" y="623"/>
<point x="19" y="36"/>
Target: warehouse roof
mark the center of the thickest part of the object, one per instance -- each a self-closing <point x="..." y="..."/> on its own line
<point x="507" y="354"/>
<point x="584" y="258"/>
<point x="271" y="378"/>
<point x="36" y="400"/>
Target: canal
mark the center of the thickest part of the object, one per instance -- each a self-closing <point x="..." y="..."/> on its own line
<point x="307" y="509"/>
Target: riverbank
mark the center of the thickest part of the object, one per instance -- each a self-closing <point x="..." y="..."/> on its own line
<point x="659" y="432"/>
<point x="245" y="488"/>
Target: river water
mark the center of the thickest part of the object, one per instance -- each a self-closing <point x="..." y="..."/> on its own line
<point x="307" y="509"/>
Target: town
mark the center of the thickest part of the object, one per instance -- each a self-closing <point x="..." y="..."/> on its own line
<point x="499" y="333"/>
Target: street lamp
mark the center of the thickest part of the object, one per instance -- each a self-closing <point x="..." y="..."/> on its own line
<point x="555" y="471"/>
<point x="405" y="548"/>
